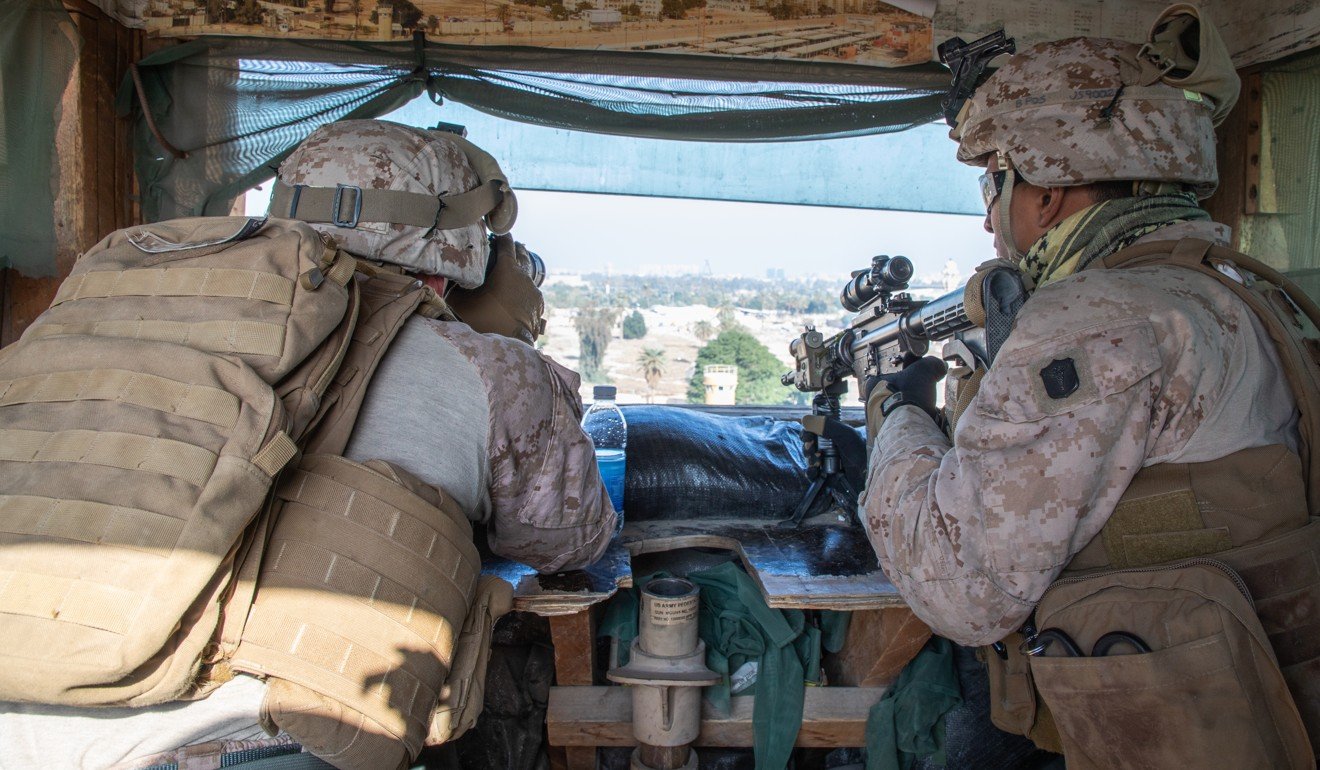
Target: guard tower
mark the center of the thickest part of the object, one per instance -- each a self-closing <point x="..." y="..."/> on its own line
<point x="721" y="383"/>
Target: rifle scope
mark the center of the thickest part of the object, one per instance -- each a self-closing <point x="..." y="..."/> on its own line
<point x="887" y="274"/>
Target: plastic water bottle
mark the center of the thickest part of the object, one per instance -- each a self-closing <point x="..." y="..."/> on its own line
<point x="608" y="431"/>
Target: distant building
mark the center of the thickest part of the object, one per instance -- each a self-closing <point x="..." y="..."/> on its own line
<point x="647" y="7"/>
<point x="721" y="384"/>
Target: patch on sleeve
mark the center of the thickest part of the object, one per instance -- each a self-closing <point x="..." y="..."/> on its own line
<point x="1061" y="374"/>
<point x="1060" y="378"/>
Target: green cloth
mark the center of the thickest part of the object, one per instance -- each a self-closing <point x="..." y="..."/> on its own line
<point x="908" y="722"/>
<point x="1103" y="228"/>
<point x="738" y="626"/>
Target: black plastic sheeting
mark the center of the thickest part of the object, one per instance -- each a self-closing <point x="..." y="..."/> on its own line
<point x="688" y="464"/>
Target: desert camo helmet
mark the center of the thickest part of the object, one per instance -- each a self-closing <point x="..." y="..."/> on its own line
<point x="1085" y="110"/>
<point x="381" y="155"/>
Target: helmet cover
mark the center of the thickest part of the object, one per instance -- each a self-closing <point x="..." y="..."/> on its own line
<point x="380" y="155"/>
<point x="1086" y="110"/>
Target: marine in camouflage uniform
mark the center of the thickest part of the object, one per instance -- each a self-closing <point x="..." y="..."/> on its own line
<point x="1107" y="372"/>
<point x="1171" y="367"/>
<point x="485" y="417"/>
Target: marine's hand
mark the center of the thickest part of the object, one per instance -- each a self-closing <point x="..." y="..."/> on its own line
<point x="849" y="445"/>
<point x="914" y="386"/>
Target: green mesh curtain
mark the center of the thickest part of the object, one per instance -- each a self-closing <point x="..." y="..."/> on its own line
<point x="37" y="52"/>
<point x="226" y="111"/>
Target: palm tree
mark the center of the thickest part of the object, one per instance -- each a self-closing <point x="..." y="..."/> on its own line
<point x="727" y="316"/>
<point x="652" y="362"/>
<point x="704" y="330"/>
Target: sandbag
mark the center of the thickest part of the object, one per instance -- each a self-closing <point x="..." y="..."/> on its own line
<point x="686" y="464"/>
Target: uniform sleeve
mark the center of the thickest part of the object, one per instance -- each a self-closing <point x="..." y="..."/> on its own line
<point x="974" y="532"/>
<point x="549" y="508"/>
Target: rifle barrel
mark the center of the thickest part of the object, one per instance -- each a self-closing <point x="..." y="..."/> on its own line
<point x="938" y="319"/>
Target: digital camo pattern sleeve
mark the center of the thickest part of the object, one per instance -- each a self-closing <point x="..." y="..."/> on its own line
<point x="974" y="532"/>
<point x="549" y="509"/>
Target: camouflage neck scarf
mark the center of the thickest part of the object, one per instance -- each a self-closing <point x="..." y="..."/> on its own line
<point x="1102" y="229"/>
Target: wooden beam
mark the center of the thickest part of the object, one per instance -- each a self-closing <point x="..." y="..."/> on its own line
<point x="602" y="716"/>
<point x="1237" y="148"/>
<point x="574" y="639"/>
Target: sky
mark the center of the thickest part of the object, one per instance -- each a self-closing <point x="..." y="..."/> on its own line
<point x="577" y="232"/>
<point x="582" y="232"/>
<point x="630" y="224"/>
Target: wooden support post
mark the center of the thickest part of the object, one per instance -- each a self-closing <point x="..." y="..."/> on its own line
<point x="1237" y="144"/>
<point x="574" y="638"/>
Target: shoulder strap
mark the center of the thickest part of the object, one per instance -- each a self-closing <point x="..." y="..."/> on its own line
<point x="388" y="300"/>
<point x="1279" y="304"/>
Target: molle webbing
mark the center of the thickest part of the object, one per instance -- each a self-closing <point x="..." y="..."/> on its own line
<point x="180" y="282"/>
<point x="127" y="451"/>
<point x="121" y="510"/>
<point x="249" y="338"/>
<point x="364" y="589"/>
<point x="163" y="394"/>
<point x="267" y="291"/>
<point x="1175" y="511"/>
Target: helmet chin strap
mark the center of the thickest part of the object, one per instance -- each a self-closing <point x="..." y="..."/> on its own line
<point x="1005" y="226"/>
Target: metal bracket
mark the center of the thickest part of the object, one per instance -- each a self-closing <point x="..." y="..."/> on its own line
<point x="339" y="206"/>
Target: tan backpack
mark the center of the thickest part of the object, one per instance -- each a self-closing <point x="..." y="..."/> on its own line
<point x="144" y="419"/>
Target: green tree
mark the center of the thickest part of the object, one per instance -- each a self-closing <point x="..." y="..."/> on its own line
<point x="632" y="9"/>
<point x="758" y="369"/>
<point x="703" y="330"/>
<point x="673" y="9"/>
<point x="652" y="365"/>
<point x="594" y="325"/>
<point x="558" y="12"/>
<point x="727" y="317"/>
<point x="634" y="326"/>
<point x="584" y="5"/>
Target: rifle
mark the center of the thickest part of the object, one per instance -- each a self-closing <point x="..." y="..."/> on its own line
<point x="890" y="331"/>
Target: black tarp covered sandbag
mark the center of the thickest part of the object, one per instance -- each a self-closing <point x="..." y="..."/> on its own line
<point x="687" y="464"/>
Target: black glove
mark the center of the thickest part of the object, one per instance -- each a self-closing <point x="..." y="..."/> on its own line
<point x="847" y="442"/>
<point x="914" y="385"/>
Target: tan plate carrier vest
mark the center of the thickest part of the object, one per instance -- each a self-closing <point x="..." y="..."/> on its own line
<point x="1224" y="555"/>
<point x="152" y="539"/>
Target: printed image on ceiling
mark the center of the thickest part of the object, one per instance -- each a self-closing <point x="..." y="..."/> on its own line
<point x="856" y="31"/>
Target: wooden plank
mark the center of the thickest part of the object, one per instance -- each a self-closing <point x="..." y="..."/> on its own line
<point x="104" y="186"/>
<point x="1251" y="102"/>
<point x="815" y="566"/>
<point x="574" y="639"/>
<point x="1229" y="202"/>
<point x="602" y="716"/>
<point x="879" y="644"/>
